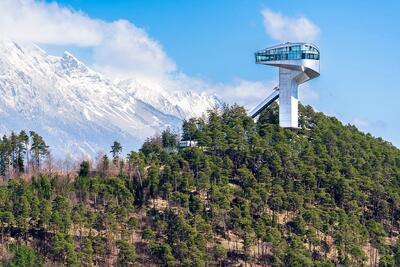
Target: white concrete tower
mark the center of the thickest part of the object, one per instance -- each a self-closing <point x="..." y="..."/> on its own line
<point x="297" y="63"/>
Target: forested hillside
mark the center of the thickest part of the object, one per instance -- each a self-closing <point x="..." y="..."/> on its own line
<point x="250" y="193"/>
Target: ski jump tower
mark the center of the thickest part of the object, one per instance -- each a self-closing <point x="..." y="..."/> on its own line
<point x="297" y="63"/>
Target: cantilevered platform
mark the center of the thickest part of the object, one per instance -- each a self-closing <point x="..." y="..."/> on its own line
<point x="297" y="63"/>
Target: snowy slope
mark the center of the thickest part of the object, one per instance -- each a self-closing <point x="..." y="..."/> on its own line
<point x="79" y="110"/>
<point x="183" y="104"/>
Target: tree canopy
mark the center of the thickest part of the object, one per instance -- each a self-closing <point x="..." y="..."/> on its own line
<point x="249" y="193"/>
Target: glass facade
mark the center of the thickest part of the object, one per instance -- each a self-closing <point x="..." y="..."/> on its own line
<point x="290" y="52"/>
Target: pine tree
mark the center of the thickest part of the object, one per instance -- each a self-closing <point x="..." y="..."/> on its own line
<point x="116" y="150"/>
<point x="127" y="253"/>
<point x="5" y="157"/>
<point x="87" y="253"/>
<point x="24" y="140"/>
<point x="24" y="256"/>
<point x="39" y="149"/>
<point x="169" y="138"/>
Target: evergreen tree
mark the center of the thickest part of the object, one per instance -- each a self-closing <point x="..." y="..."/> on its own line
<point x="126" y="254"/>
<point x="24" y="140"/>
<point x="39" y="149"/>
<point x="24" y="256"/>
<point x="251" y="193"/>
<point x="169" y="138"/>
<point x="116" y="150"/>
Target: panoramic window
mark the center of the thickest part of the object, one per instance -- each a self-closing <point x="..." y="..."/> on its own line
<point x="294" y="52"/>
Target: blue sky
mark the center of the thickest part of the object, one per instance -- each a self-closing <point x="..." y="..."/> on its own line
<point x="214" y="42"/>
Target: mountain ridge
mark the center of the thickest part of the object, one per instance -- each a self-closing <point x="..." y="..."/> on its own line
<point x="64" y="99"/>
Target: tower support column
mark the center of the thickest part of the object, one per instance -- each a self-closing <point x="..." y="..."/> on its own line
<point x="288" y="98"/>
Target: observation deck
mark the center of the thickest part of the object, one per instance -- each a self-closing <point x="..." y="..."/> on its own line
<point x="297" y="63"/>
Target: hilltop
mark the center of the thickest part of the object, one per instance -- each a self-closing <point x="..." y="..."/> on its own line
<point x="250" y="193"/>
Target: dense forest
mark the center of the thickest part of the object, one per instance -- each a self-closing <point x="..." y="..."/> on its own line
<point x="249" y="194"/>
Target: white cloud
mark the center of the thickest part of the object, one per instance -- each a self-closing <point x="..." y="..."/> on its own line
<point x="243" y="92"/>
<point x="287" y="29"/>
<point x="119" y="48"/>
<point x="42" y="23"/>
<point x="127" y="51"/>
<point x="123" y="50"/>
<point x="247" y="93"/>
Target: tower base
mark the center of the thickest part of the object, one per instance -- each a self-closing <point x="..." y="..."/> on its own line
<point x="288" y="98"/>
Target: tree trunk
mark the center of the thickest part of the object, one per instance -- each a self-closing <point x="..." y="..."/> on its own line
<point x="2" y="241"/>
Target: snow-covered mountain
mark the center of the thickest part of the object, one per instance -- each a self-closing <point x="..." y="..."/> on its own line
<point x="77" y="109"/>
<point x="182" y="104"/>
